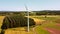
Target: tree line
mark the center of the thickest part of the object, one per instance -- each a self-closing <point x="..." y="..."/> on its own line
<point x="24" y="13"/>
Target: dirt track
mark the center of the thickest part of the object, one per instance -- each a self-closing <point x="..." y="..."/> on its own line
<point x="53" y="31"/>
<point x="58" y="24"/>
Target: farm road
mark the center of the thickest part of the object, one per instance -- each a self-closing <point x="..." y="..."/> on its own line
<point x="58" y="24"/>
<point x="53" y="31"/>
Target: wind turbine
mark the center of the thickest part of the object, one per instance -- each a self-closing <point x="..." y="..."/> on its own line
<point x="27" y="17"/>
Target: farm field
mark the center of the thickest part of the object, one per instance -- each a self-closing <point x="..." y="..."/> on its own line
<point x="45" y="26"/>
<point x="18" y="30"/>
<point x="48" y="26"/>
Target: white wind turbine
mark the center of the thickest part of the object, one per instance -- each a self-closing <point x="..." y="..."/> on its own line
<point x="27" y="17"/>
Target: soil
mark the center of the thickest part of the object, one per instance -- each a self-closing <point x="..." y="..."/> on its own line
<point x="53" y="31"/>
<point x="58" y="24"/>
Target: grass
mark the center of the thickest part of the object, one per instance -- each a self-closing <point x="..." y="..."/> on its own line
<point x="48" y="18"/>
<point x="39" y="28"/>
<point x="20" y="30"/>
<point x="50" y="24"/>
<point x="1" y="20"/>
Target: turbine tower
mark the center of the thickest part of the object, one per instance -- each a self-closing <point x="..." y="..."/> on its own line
<point x="27" y="17"/>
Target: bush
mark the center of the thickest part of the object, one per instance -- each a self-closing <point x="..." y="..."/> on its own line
<point x="16" y="21"/>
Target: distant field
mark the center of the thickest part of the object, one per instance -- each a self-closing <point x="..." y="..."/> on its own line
<point x="46" y="15"/>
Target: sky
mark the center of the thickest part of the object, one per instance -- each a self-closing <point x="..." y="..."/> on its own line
<point x="32" y="5"/>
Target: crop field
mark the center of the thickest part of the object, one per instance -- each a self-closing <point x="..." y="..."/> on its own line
<point x="43" y="25"/>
